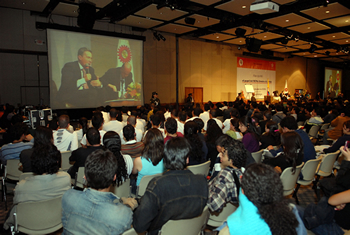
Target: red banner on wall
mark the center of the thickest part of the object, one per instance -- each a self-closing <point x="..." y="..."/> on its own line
<point x="255" y="64"/>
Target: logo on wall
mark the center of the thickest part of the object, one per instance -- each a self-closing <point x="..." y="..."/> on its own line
<point x="124" y="54"/>
<point x="240" y="62"/>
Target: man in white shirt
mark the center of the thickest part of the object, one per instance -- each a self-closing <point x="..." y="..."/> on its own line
<point x="113" y="124"/>
<point x="97" y="122"/>
<point x="234" y="114"/>
<point x="132" y="121"/>
<point x="205" y="115"/>
<point x="63" y="139"/>
<point x="213" y="116"/>
<point x="181" y="122"/>
<point x="167" y="114"/>
<point x="196" y="112"/>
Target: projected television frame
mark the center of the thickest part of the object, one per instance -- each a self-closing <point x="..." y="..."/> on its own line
<point x="99" y="40"/>
<point x="332" y="89"/>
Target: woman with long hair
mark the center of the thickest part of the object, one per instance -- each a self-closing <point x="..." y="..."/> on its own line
<point x="250" y="135"/>
<point x="151" y="160"/>
<point x="213" y="133"/>
<point x="271" y="136"/>
<point x="199" y="148"/>
<point x="292" y="155"/>
<point x="112" y="142"/>
<point x="262" y="207"/>
<point x="42" y="138"/>
<point x="234" y="132"/>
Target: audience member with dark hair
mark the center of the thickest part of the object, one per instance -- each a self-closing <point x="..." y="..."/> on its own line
<point x="205" y="115"/>
<point x="292" y="155"/>
<point x="224" y="187"/>
<point x="112" y="142"/>
<point x="79" y="156"/>
<point x="279" y="114"/>
<point x="177" y="194"/>
<point x="131" y="146"/>
<point x="271" y="136"/>
<point x="336" y="128"/>
<point x="43" y="136"/>
<point x="213" y="116"/>
<point x="213" y="133"/>
<point x="151" y="160"/>
<point x="63" y="139"/>
<point x="171" y="129"/>
<point x="199" y="148"/>
<point x="82" y="128"/>
<point x="131" y="121"/>
<point x="46" y="183"/>
<point x="97" y="123"/>
<point x="234" y="114"/>
<point x="96" y="210"/>
<point x="17" y="134"/>
<point x="234" y="131"/>
<point x="250" y="136"/>
<point x="114" y="124"/>
<point x="289" y="124"/>
<point x="262" y="207"/>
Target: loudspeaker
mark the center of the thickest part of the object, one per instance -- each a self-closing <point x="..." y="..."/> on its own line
<point x="253" y="44"/>
<point x="189" y="20"/>
<point x="87" y="15"/>
<point x="240" y="32"/>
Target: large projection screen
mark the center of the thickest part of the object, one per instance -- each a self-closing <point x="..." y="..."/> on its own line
<point x="332" y="82"/>
<point x="88" y="70"/>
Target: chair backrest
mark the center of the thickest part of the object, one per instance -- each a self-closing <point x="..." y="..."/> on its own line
<point x="326" y="166"/>
<point x="131" y="231"/>
<point x="65" y="160"/>
<point x="141" y="189"/>
<point x="186" y="226"/>
<point x="79" y="179"/>
<point x="258" y="156"/>
<point x="325" y="126"/>
<point x="122" y="190"/>
<point x="40" y="217"/>
<point x="224" y="231"/>
<point x="216" y="219"/>
<point x="200" y="169"/>
<point x="12" y="171"/>
<point x="289" y="179"/>
<point x="25" y="175"/>
<point x="313" y="131"/>
<point x="309" y="169"/>
<point x="300" y="123"/>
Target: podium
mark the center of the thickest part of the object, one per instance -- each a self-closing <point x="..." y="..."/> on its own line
<point x="268" y="98"/>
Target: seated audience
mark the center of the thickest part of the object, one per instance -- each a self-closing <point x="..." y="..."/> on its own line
<point x="289" y="124"/>
<point x="131" y="147"/>
<point x="234" y="114"/>
<point x="17" y="134"/>
<point x="279" y="114"/>
<point x="63" y="139"/>
<point x="271" y="135"/>
<point x="151" y="160"/>
<point x="113" y="124"/>
<point x="341" y="140"/>
<point x="205" y="115"/>
<point x="177" y="194"/>
<point x="138" y="133"/>
<point x="79" y="156"/>
<point x="199" y="148"/>
<point x="83" y="127"/>
<point x="170" y="129"/>
<point x="292" y="155"/>
<point x="96" y="210"/>
<point x="250" y="136"/>
<point x="224" y="187"/>
<point x="97" y="123"/>
<point x="333" y="114"/>
<point x="111" y="141"/>
<point x="181" y="121"/>
<point x="336" y="129"/>
<point x="195" y="114"/>
<point x="43" y="137"/>
<point x="262" y="207"/>
<point x="46" y="183"/>
<point x="155" y="120"/>
<point x="315" y="116"/>
<point x="213" y="114"/>
<point x="213" y="133"/>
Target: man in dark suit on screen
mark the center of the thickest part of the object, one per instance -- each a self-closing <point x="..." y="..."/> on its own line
<point x="79" y="84"/>
<point x="116" y="80"/>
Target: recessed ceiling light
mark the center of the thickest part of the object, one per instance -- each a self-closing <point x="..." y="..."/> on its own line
<point x="217" y="36"/>
<point x="347" y="21"/>
<point x="161" y="13"/>
<point x="264" y="36"/>
<point x="327" y="12"/>
<point x="148" y="18"/>
<point x="308" y="27"/>
<point x="287" y="20"/>
<point x="74" y="11"/>
<point x="198" y="21"/>
<point x="23" y="3"/>
<point x="347" y="41"/>
<point x="244" y="7"/>
<point x="315" y="55"/>
<point x="333" y="36"/>
<point x="240" y="41"/>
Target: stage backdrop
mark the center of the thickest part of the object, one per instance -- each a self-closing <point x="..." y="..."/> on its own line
<point x="255" y="72"/>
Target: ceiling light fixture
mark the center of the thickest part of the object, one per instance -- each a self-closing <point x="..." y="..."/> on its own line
<point x="287" y="20"/>
<point x="161" y="37"/>
<point x="325" y="4"/>
<point x="244" y="7"/>
<point x="155" y="35"/>
<point x="312" y="48"/>
<point x="327" y="12"/>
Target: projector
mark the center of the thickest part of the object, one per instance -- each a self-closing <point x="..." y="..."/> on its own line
<point x="264" y="7"/>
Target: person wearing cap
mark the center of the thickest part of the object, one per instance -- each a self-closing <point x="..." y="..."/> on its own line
<point x="155" y="100"/>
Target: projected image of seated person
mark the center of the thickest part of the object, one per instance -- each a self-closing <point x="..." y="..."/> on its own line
<point x="79" y="83"/>
<point x="116" y="81"/>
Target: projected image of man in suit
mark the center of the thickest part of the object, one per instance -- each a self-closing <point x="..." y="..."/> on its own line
<point x="79" y="83"/>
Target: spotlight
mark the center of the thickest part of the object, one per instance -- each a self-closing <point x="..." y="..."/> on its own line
<point x="161" y="37"/>
<point x="290" y="36"/>
<point x="327" y="53"/>
<point x="312" y="48"/>
<point x="296" y="38"/>
<point x="325" y="4"/>
<point x="156" y="36"/>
